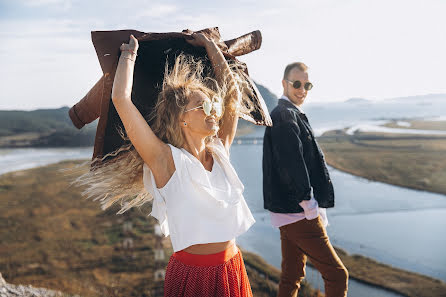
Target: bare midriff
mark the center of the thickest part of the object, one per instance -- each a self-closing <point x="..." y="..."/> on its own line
<point x="209" y="248"/>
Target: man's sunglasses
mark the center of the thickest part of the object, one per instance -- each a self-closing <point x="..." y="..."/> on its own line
<point x="208" y="106"/>
<point x="297" y="84"/>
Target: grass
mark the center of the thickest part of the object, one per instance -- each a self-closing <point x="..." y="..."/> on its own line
<point x="411" y="161"/>
<point x="420" y="124"/>
<point x="52" y="237"/>
<point x="406" y="283"/>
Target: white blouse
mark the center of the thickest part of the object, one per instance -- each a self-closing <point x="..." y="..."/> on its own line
<point x="197" y="206"/>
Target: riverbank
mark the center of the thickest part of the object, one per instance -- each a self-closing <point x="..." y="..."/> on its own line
<point x="387" y="277"/>
<point x="53" y="238"/>
<point x="419" y="124"/>
<point x="411" y="161"/>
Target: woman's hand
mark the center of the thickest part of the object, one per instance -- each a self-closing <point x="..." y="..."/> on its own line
<point x="199" y="39"/>
<point x="132" y="46"/>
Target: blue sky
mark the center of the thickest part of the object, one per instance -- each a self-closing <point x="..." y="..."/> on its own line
<point x="354" y="48"/>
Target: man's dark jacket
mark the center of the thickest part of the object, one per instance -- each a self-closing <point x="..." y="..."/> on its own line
<point x="293" y="163"/>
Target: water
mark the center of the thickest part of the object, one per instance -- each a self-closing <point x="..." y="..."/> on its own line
<point x="264" y="240"/>
<point x="377" y="127"/>
<point x="393" y="225"/>
<point x="25" y="158"/>
<point x="362" y="126"/>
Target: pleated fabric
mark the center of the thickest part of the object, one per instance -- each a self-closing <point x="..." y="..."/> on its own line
<point x="217" y="275"/>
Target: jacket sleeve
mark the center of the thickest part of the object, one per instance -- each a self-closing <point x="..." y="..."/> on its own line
<point x="288" y="153"/>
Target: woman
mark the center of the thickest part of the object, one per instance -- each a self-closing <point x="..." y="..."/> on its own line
<point x="197" y="194"/>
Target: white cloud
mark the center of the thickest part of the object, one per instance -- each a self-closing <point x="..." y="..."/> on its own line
<point x="46" y="63"/>
<point x="60" y="4"/>
<point x="157" y="11"/>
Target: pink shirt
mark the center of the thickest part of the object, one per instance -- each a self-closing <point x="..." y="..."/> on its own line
<point x="311" y="208"/>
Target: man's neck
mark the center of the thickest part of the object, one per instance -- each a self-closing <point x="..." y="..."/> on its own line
<point x="297" y="106"/>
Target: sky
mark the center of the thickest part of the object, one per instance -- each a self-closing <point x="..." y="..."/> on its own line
<point x="354" y="48"/>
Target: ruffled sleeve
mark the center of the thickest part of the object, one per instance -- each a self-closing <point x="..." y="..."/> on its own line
<point x="159" y="209"/>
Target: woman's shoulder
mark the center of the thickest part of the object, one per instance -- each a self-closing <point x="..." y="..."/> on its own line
<point x="178" y="156"/>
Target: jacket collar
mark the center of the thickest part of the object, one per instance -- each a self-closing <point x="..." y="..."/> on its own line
<point x="285" y="101"/>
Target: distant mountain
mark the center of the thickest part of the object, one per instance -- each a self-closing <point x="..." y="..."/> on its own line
<point x="420" y="98"/>
<point x="41" y="120"/>
<point x="246" y="128"/>
<point x="42" y="128"/>
<point x="341" y="114"/>
<point x="268" y="96"/>
<point x="53" y="127"/>
<point x="357" y="100"/>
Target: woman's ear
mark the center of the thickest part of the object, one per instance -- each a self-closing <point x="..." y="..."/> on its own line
<point x="183" y="122"/>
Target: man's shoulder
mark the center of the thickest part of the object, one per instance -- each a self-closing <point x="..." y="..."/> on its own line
<point x="283" y="113"/>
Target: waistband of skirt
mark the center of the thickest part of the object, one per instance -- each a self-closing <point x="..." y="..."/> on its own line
<point x="207" y="260"/>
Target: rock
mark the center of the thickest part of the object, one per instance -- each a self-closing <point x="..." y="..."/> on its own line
<point x="9" y="290"/>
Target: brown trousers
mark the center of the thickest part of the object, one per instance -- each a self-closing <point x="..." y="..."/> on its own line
<point x="309" y="238"/>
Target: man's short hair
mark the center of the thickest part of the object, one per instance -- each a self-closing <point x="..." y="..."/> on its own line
<point x="299" y="65"/>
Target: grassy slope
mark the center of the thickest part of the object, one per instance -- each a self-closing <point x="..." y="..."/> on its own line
<point x="420" y="124"/>
<point x="51" y="237"/>
<point x="410" y="161"/>
<point x="406" y="283"/>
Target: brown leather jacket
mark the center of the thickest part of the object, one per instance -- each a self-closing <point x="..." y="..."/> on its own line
<point x="155" y="49"/>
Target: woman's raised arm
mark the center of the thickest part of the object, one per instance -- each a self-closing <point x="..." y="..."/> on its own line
<point x="152" y="150"/>
<point x="224" y="76"/>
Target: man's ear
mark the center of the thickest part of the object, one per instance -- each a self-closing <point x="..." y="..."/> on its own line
<point x="284" y="83"/>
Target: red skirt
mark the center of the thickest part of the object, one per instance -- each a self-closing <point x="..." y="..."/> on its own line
<point x="220" y="274"/>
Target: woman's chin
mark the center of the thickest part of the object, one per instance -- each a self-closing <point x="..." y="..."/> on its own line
<point x="213" y="130"/>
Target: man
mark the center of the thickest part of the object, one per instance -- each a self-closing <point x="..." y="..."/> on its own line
<point x="297" y="189"/>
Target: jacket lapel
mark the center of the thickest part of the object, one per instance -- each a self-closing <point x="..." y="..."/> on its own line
<point x="302" y="116"/>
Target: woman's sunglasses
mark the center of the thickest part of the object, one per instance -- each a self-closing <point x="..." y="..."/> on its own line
<point x="208" y="106"/>
<point x="297" y="84"/>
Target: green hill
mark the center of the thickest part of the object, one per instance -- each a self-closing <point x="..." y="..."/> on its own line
<point x="268" y="96"/>
<point x="41" y="120"/>
<point x="42" y="128"/>
<point x="53" y="127"/>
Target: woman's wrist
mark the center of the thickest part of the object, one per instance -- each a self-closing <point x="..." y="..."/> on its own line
<point x="133" y="52"/>
<point x="129" y="55"/>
